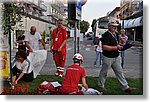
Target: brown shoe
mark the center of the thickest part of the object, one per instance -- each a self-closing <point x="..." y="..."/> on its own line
<point x="103" y="89"/>
<point x="129" y="90"/>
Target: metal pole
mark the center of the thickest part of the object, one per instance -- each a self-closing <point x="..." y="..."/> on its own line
<point x="10" y="66"/>
<point x="75" y="37"/>
<point x="135" y="34"/>
<point x="78" y="38"/>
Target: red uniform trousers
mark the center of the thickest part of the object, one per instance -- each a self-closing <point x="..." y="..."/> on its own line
<point x="60" y="58"/>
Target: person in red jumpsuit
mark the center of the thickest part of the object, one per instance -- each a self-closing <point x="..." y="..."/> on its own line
<point x="74" y="74"/>
<point x="58" y="47"/>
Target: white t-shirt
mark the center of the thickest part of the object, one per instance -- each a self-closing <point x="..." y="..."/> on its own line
<point x="33" y="40"/>
<point x="124" y="37"/>
<point x="99" y="47"/>
<point x="24" y="66"/>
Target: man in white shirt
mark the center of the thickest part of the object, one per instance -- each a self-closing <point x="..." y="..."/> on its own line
<point x="33" y="40"/>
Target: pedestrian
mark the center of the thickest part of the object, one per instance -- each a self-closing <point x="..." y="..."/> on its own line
<point x="111" y="58"/>
<point x="98" y="50"/>
<point x="74" y="74"/>
<point x="33" y="40"/>
<point x="21" y="68"/>
<point x="123" y="40"/>
<point x="21" y="43"/>
<point x="58" y="47"/>
<point x="36" y="56"/>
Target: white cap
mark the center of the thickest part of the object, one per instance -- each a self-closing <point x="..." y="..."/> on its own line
<point x="113" y="22"/>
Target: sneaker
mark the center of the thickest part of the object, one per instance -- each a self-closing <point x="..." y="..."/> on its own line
<point x="129" y="90"/>
<point x="57" y="73"/>
<point x="103" y="89"/>
<point x="60" y="75"/>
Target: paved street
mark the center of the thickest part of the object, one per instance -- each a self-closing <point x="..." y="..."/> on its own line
<point x="133" y="60"/>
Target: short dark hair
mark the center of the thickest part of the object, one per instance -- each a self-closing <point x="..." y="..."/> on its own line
<point x="21" y="54"/>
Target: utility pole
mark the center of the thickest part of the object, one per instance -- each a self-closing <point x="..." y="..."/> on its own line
<point x="78" y="39"/>
<point x="75" y="38"/>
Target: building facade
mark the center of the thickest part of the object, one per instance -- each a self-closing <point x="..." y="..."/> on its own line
<point x="132" y="18"/>
<point x="41" y="14"/>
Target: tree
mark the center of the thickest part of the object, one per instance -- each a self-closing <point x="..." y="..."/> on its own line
<point x="84" y="26"/>
<point x="11" y="15"/>
<point x="93" y="23"/>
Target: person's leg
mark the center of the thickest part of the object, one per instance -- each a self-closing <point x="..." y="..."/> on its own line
<point x="96" y="58"/>
<point x="122" y="58"/>
<point x="106" y="64"/>
<point x="100" y="58"/>
<point x="116" y="66"/>
<point x="62" y="63"/>
<point x="57" y="62"/>
<point x="15" y="71"/>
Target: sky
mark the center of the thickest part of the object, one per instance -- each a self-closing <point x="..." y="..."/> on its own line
<point x="94" y="9"/>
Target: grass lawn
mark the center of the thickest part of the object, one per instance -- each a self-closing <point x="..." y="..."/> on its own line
<point x="112" y="85"/>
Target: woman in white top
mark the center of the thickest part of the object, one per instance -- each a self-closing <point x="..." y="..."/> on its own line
<point x="98" y="50"/>
<point x="21" y="68"/>
<point x="123" y="40"/>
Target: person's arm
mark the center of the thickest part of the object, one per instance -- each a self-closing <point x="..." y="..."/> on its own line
<point x="62" y="45"/>
<point x="111" y="48"/>
<point x="28" y="46"/>
<point x="20" y="76"/>
<point x="84" y="83"/>
<point x="43" y="43"/>
<point x="65" y="40"/>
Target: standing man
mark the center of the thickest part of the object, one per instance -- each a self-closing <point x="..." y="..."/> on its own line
<point x="58" y="47"/>
<point x="111" y="58"/>
<point x="33" y="40"/>
<point x="123" y="40"/>
<point x="36" y="56"/>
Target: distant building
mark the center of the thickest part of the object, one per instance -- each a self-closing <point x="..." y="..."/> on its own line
<point x="132" y="18"/>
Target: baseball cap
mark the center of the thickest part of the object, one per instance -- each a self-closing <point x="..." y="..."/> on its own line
<point x="113" y="22"/>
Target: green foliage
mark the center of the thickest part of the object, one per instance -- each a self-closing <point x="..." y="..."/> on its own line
<point x="11" y="15"/>
<point x="84" y="26"/>
<point x="43" y="35"/>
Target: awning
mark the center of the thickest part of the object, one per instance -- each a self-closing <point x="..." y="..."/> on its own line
<point x="133" y="22"/>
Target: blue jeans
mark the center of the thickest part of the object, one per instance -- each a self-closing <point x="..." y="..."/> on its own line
<point x="122" y="58"/>
<point x="98" y="54"/>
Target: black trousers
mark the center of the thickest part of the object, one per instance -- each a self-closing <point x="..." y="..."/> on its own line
<point x="28" y="77"/>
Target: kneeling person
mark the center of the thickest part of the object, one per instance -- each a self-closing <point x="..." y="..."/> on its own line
<point x="74" y="74"/>
<point x="21" y="68"/>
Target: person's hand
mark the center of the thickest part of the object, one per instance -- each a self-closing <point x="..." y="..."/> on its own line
<point x="119" y="47"/>
<point x="59" y="49"/>
<point x="16" y="82"/>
